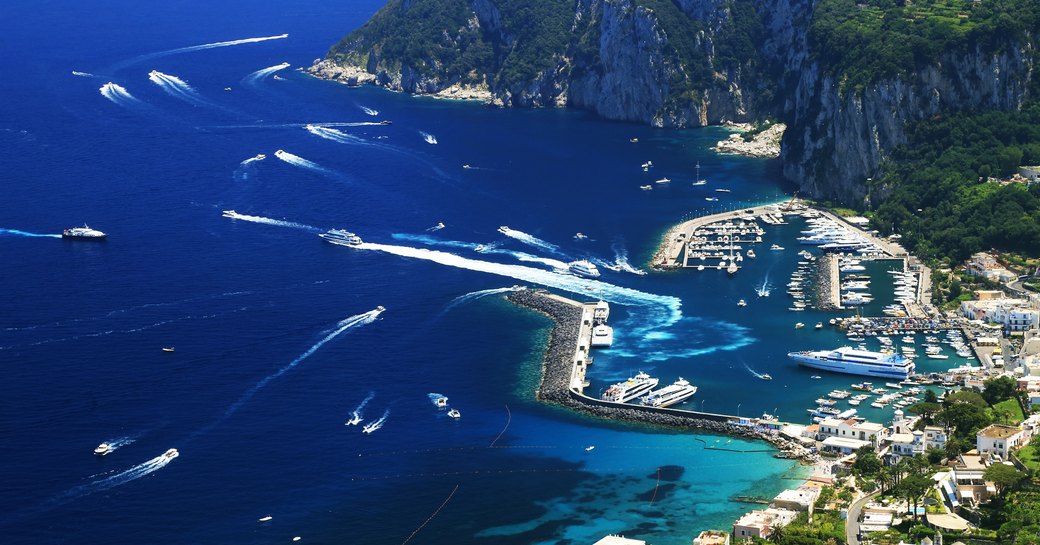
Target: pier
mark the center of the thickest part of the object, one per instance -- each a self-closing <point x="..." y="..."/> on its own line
<point x="566" y="360"/>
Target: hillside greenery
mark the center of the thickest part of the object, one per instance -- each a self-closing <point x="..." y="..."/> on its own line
<point x="937" y="191"/>
<point x="863" y="41"/>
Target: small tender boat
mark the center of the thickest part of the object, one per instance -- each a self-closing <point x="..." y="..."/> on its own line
<point x="633" y="140"/>
<point x="765" y="376"/>
<point x="103" y="449"/>
<point x="662" y="181"/>
<point x="590" y="448"/>
<point x="776" y="247"/>
<point x="168" y="349"/>
<point x="441" y="401"/>
<point x="454" y="413"/>
<point x="646" y="187"/>
<point x="467" y="167"/>
<point x="580" y="236"/>
<point x="265" y="519"/>
<point x="816" y="377"/>
<point x="819" y="325"/>
<point x="799" y="325"/>
<point x="742" y="303"/>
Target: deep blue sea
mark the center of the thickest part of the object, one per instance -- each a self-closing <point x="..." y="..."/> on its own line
<point x="111" y="114"/>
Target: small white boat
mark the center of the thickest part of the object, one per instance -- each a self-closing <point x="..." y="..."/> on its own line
<point x="580" y="236"/>
<point x="265" y="518"/>
<point x="441" y="402"/>
<point x="633" y="140"/>
<point x="369" y="428"/>
<point x="480" y="248"/>
<point x="171" y="454"/>
<point x="590" y="448"/>
<point x="454" y="413"/>
<point x="742" y="303"/>
<point x="168" y="349"/>
<point x="504" y="229"/>
<point x="819" y="325"/>
<point x="799" y="325"/>
<point x="354" y="421"/>
<point x="816" y="377"/>
<point x="765" y="376"/>
<point x="662" y="181"/>
<point x="103" y="449"/>
<point x="710" y="199"/>
<point x="777" y="248"/>
<point x="751" y="253"/>
<point x="646" y="187"/>
<point x="467" y="167"/>
<point x="722" y="190"/>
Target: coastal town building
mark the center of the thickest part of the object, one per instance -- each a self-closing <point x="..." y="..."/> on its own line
<point x="1012" y="314"/>
<point x="712" y="537"/>
<point x="904" y="445"/>
<point x="985" y="265"/>
<point x="999" y="440"/>
<point x="799" y="499"/>
<point x="619" y="540"/>
<point x="760" y="523"/>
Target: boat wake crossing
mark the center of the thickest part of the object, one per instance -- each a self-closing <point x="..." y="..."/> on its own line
<point x="356" y="416"/>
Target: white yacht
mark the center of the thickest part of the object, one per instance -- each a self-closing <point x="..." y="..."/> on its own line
<point x="441" y="402"/>
<point x="602" y="336"/>
<point x="454" y="413"/>
<point x="742" y="303"/>
<point x="672" y="394"/>
<point x="84" y="232"/>
<point x="341" y="237"/>
<point x="580" y="236"/>
<point x="662" y="181"/>
<point x="103" y="449"/>
<point x="646" y="187"/>
<point x="583" y="268"/>
<point x="504" y="229"/>
<point x="630" y="389"/>
<point x="777" y="247"/>
<point x="856" y="362"/>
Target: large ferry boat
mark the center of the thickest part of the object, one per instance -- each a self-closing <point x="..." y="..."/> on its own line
<point x="341" y="236"/>
<point x="631" y="388"/>
<point x="677" y="392"/>
<point x="856" y="362"/>
<point x="583" y="268"/>
<point x="84" y="233"/>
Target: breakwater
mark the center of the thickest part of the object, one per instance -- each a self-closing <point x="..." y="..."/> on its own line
<point x="558" y="369"/>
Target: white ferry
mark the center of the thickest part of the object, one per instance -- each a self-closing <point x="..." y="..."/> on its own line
<point x="602" y="336"/>
<point x="583" y="268"/>
<point x="630" y="389"/>
<point x="675" y="393"/>
<point x="856" y="362"/>
<point x="83" y="233"/>
<point x="341" y="237"/>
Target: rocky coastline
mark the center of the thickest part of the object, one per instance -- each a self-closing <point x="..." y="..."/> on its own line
<point x="356" y="76"/>
<point x="764" y="145"/>
<point x="556" y="372"/>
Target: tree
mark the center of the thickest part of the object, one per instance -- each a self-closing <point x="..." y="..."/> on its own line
<point x="867" y="464"/>
<point x="913" y="487"/>
<point x="930" y="397"/>
<point x="998" y="389"/>
<point x="1004" y="476"/>
<point x="952" y="448"/>
<point x="776" y="533"/>
<point x="935" y="455"/>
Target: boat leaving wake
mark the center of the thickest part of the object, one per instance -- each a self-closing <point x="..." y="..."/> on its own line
<point x="356" y="416"/>
<point x="177" y="88"/>
<point x="108" y="483"/>
<point x="83" y="74"/>
<point x="752" y="371"/>
<point x="17" y="233"/>
<point x="531" y="240"/>
<point x="297" y="161"/>
<point x="191" y="48"/>
<point x="253" y="159"/>
<point x="664" y="310"/>
<point x="429" y="138"/>
<point x="269" y="221"/>
<point x="369" y="428"/>
<point x="475" y="295"/>
<point x="119" y="95"/>
<point x="369" y="111"/>
<point x="621" y="259"/>
<point x="256" y="77"/>
<point x="334" y="135"/>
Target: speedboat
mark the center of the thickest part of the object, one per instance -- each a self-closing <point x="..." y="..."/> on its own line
<point x="580" y="236"/>
<point x="341" y="237"/>
<point x="765" y="376"/>
<point x="722" y="190"/>
<point x="646" y="187"/>
<point x="799" y="325"/>
<point x="103" y="449"/>
<point x="480" y="248"/>
<point x="504" y="229"/>
<point x="454" y="413"/>
<point x="385" y="122"/>
<point x="710" y="199"/>
<point x="440" y="225"/>
<point x="467" y="167"/>
<point x="819" y="325"/>
<point x="742" y="303"/>
<point x="633" y="140"/>
<point x="583" y="268"/>
<point x="264" y="519"/>
<point x="662" y="181"/>
<point x="354" y="420"/>
<point x="590" y="448"/>
<point x="380" y="308"/>
<point x="171" y="454"/>
<point x="84" y="232"/>
<point x="700" y="182"/>
<point x="168" y="349"/>
<point x="369" y="428"/>
<point x="441" y="402"/>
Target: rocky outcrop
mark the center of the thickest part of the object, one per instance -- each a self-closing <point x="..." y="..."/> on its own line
<point x="764" y="144"/>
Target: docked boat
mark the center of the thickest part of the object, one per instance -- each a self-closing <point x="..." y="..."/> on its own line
<point x="630" y="389"/>
<point x="583" y="268"/>
<point x="674" y="393"/>
<point x="454" y="413"/>
<point x="856" y="362"/>
<point x="732" y="268"/>
<point x="84" y="232"/>
<point x="103" y="449"/>
<point x="341" y="237"/>
<point x="938" y="356"/>
<point x="602" y="336"/>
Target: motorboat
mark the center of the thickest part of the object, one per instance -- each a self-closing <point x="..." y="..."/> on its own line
<point x="765" y="376"/>
<point x="341" y="237"/>
<point x="386" y="122"/>
<point x="580" y="236"/>
<point x="662" y="181"/>
<point x="751" y="253"/>
<point x="103" y="449"/>
<point x="168" y="349"/>
<point x="711" y="199"/>
<point x="85" y="233"/>
<point x="441" y="402"/>
<point x="170" y="454"/>
<point x="799" y="325"/>
<point x="354" y="420"/>
<point x="646" y="187"/>
<point x="454" y="413"/>
<point x="742" y="303"/>
<point x="819" y="325"/>
<point x="504" y="229"/>
<point x="777" y="248"/>
<point x="480" y="248"/>
<point x="466" y="166"/>
<point x="590" y="448"/>
<point x="265" y="518"/>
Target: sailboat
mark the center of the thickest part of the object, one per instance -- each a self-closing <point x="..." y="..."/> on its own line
<point x="697" y="178"/>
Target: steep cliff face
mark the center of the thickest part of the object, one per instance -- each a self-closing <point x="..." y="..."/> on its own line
<point x="836" y="140"/>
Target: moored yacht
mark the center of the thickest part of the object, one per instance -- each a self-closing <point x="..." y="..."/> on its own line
<point x="584" y="268"/>
<point x="856" y="362"/>
<point x="602" y="336"/>
<point x="630" y="389"/>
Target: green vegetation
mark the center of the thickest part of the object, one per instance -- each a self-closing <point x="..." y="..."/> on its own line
<point x="863" y="41"/>
<point x="1008" y="412"/>
<point x="967" y="411"/>
<point x="1030" y="456"/>
<point x="938" y="196"/>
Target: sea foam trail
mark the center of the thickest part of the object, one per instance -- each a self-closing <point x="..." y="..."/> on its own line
<point x="119" y="95"/>
<point x="664" y="310"/>
<point x="246" y="169"/>
<point x="334" y="135"/>
<point x="378" y="423"/>
<point x="531" y="240"/>
<point x="17" y="233"/>
<point x="429" y="138"/>
<point x="342" y="326"/>
<point x="356" y="414"/>
<point x="177" y="88"/>
<point x="369" y="111"/>
<point x="259" y="75"/>
<point x="189" y="49"/>
<point x="231" y="214"/>
<point x="462" y="299"/>
<point x="83" y="74"/>
<point x="297" y="161"/>
<point x="487" y="249"/>
<point x="110" y="482"/>
<point x="621" y="259"/>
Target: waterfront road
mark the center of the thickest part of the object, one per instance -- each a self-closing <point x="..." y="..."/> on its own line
<point x="852" y="520"/>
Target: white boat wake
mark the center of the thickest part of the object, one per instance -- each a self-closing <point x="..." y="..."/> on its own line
<point x="191" y="48"/>
<point x="119" y="95"/>
<point x="334" y="135"/>
<point x="462" y="299"/>
<point x="356" y="416"/>
<point x="83" y="74"/>
<point x="270" y="221"/>
<point x="298" y="161"/>
<point x="253" y="159"/>
<point x="342" y="326"/>
<point x="765" y="288"/>
<point x="369" y="111"/>
<point x="121" y="478"/>
<point x="554" y="264"/>
<point x="117" y="443"/>
<point x="369" y="428"/>
<point x="752" y="371"/>
<point x="177" y="88"/>
<point x="429" y="138"/>
<point x="621" y="259"/>
<point x="437" y="227"/>
<point x="259" y="75"/>
<point x="17" y="233"/>
<point x="663" y="310"/>
<point x="246" y="169"/>
<point x="531" y="240"/>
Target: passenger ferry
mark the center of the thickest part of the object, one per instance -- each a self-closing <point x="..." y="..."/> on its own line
<point x="83" y="233"/>
<point x="677" y="392"/>
<point x="583" y="268"/>
<point x="856" y="362"/>
<point x="341" y="237"/>
<point x="630" y="389"/>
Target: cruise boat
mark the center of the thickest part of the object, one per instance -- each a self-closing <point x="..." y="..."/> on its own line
<point x="630" y="389"/>
<point x="856" y="362"/>
<point x="583" y="268"/>
<point x="84" y="232"/>
<point x="602" y="336"/>
<point x="341" y="237"/>
<point x="675" y="393"/>
<point x="103" y="449"/>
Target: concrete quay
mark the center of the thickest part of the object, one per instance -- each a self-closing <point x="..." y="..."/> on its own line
<point x="565" y="360"/>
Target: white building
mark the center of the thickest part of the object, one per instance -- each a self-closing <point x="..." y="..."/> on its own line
<point x="712" y="537"/>
<point x="999" y="440"/>
<point x="801" y="499"/>
<point x="985" y="265"/>
<point x="1014" y="314"/>
<point x="759" y="523"/>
